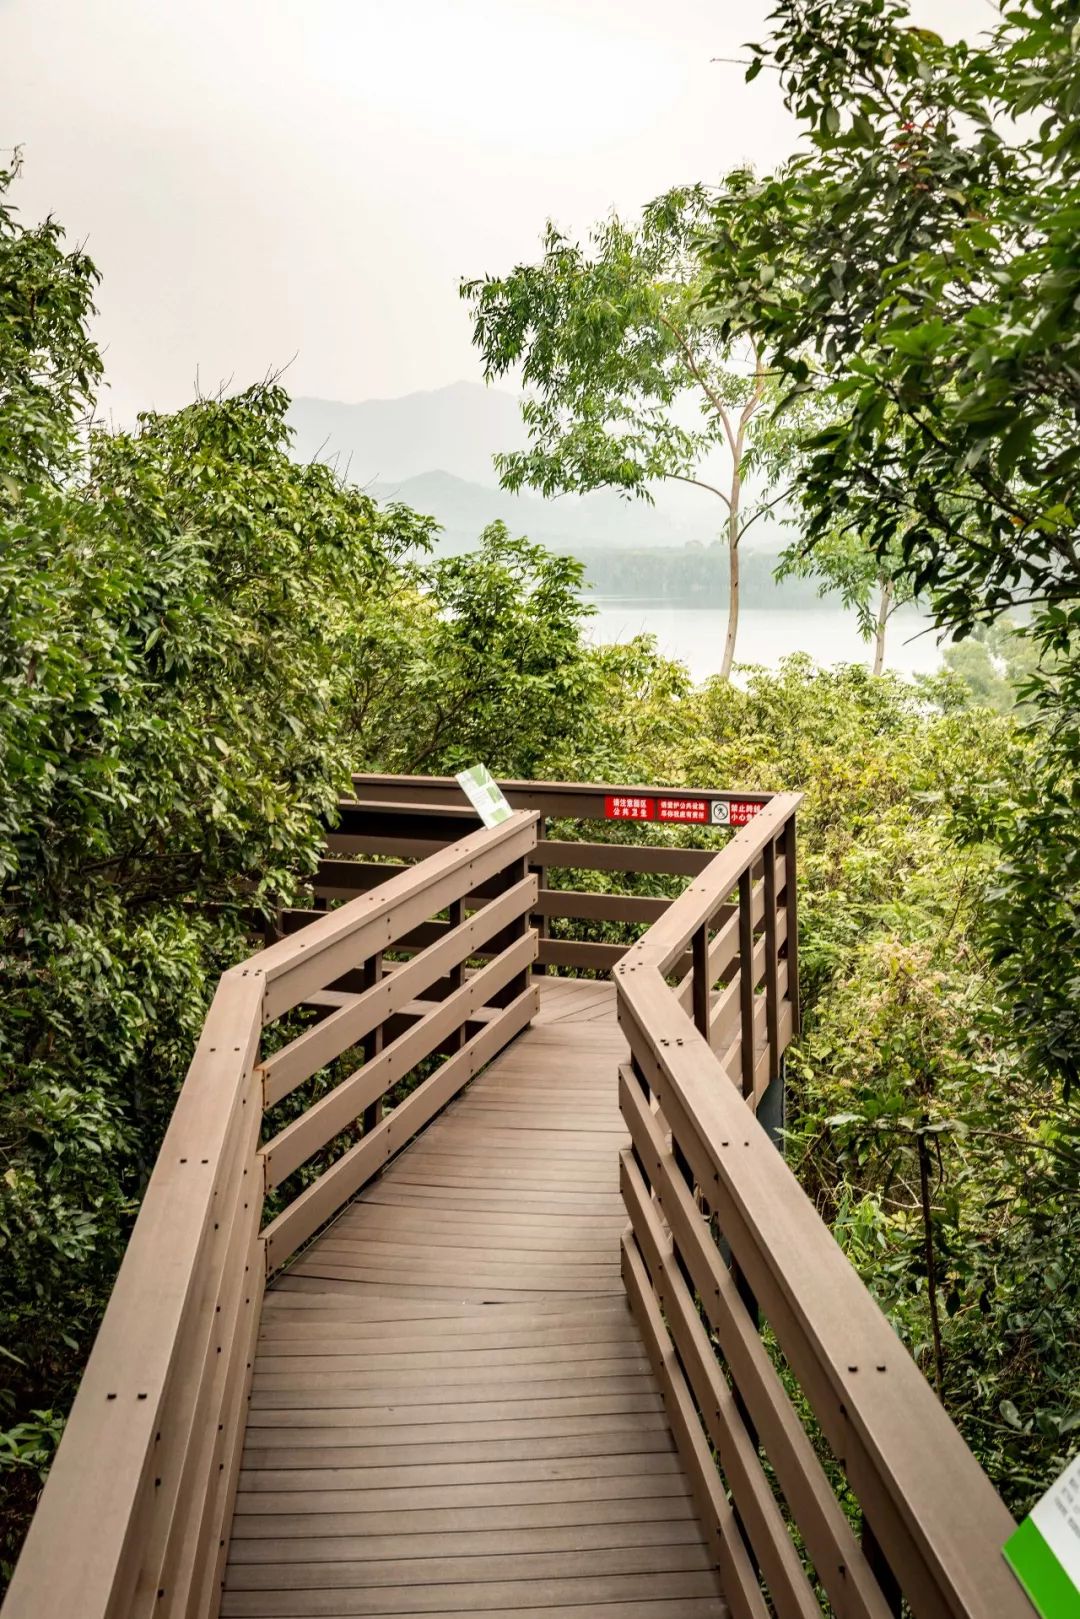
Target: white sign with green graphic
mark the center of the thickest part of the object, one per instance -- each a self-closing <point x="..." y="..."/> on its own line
<point x="1044" y="1553"/>
<point x="485" y="795"/>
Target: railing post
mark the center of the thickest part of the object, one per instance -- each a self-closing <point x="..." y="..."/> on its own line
<point x="515" y="873"/>
<point x="746" y="982"/>
<point x="882" y="1572"/>
<point x="646" y="1091"/>
<point x="770" y="1108"/>
<point x="701" y="989"/>
<point x="772" y="1008"/>
<point x="456" y="914"/>
<point x="540" y="922"/>
<point x="746" y="1047"/>
<point x="373" y="1042"/>
<point x="791" y="947"/>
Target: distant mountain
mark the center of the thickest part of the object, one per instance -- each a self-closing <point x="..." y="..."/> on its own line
<point x="459" y="428"/>
<point x="569" y="523"/>
<point x="433" y="451"/>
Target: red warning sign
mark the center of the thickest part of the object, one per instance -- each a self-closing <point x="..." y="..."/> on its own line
<point x="683" y="809"/>
<point x="687" y="811"/>
<point x="629" y="807"/>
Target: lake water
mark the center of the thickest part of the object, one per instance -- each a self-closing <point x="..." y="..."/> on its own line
<point x="695" y="635"/>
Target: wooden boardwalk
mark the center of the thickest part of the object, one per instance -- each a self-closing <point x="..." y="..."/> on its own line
<point x="508" y="1368"/>
<point x="452" y="1411"/>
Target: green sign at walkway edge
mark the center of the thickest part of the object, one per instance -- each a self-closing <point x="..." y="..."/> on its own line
<point x="1044" y="1552"/>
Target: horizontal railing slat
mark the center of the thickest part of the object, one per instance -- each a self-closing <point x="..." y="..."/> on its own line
<point x="183" y="1448"/>
<point x="319" y="1045"/>
<point x="121" y="1402"/>
<point x="332" y="1113"/>
<point x="211" y="1542"/>
<point x="342" y="938"/>
<point x="661" y="860"/>
<point x="554" y="853"/>
<point x="837" y="1557"/>
<point x="345" y="1177"/>
<point x="580" y="953"/>
<point x="582" y="906"/>
<point x="568" y="800"/>
<point x="940" y="1521"/>
<point x="751" y="1493"/>
<point x="741" y="1589"/>
<point x="226" y="1355"/>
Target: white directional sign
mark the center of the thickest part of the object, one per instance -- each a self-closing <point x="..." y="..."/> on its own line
<point x="485" y="795"/>
<point x="1044" y="1553"/>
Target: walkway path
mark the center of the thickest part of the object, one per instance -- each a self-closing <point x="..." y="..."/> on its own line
<point x="452" y="1412"/>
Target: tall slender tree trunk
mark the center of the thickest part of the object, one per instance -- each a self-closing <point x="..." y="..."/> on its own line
<point x="884" y="609"/>
<point x="733" y="607"/>
<point x="733" y="530"/>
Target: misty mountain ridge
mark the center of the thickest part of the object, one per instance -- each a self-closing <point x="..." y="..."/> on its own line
<point x="433" y="451"/>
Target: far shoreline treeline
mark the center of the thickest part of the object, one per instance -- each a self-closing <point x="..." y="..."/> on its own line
<point x="695" y="577"/>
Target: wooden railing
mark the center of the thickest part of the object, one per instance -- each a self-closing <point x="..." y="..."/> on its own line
<point x="134" y="1517"/>
<point x="742" y="1293"/>
<point x="411" y="817"/>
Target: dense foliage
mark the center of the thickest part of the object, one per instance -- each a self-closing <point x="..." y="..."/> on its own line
<point x="915" y="266"/>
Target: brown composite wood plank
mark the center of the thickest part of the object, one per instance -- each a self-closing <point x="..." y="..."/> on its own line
<point x="481" y="1543"/>
<point x="451" y="1570"/>
<point x="498" y="1596"/>
<point x="375" y="1309"/>
<point x="500" y="1518"/>
<point x="277" y="1354"/>
<point x="282" y="1452"/>
<point x="622" y="1486"/>
<point x="389" y="1334"/>
<point x="503" y="1253"/>
<point x="462" y="1411"/>
<point x="452" y="1410"/>
<point x="408" y="1290"/>
<point x="694" y="1608"/>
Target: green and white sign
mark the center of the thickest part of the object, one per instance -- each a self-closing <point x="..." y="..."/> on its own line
<point x="485" y="795"/>
<point x="1044" y="1553"/>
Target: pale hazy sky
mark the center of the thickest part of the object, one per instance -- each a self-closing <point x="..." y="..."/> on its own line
<point x="259" y="179"/>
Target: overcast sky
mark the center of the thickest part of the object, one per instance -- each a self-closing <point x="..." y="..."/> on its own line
<point x="264" y="179"/>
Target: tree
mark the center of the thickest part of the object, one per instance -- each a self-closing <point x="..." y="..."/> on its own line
<point x="918" y="261"/>
<point x="628" y="383"/>
<point x="921" y="266"/>
<point x="49" y="367"/>
<point x="872" y="585"/>
<point x="475" y="657"/>
<point x="996" y="663"/>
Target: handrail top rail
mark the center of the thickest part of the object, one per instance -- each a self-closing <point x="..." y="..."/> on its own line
<point x="668" y="937"/>
<point x="401" y="806"/>
<point x="935" y="1484"/>
<point x="364" y="782"/>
